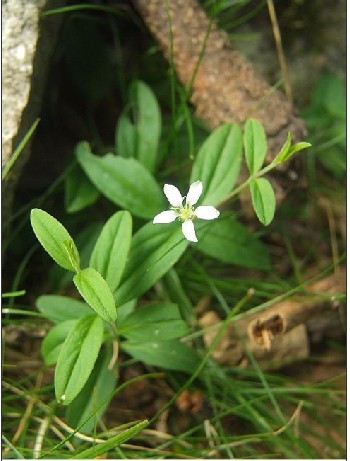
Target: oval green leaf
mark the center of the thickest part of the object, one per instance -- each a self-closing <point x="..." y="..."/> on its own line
<point x="112" y="247"/>
<point x="141" y="139"/>
<point x="96" y="292"/>
<point x="284" y="150"/>
<point x="263" y="198"/>
<point x="124" y="181"/>
<point x="60" y="308"/>
<point x="77" y="357"/>
<point x="171" y="355"/>
<point x="296" y="148"/>
<point x="125" y="137"/>
<point x="55" y="239"/>
<point x="255" y="145"/>
<point x="94" y="397"/>
<point x="160" y="321"/>
<point x="148" y="124"/>
<point x="154" y="250"/>
<point x="288" y="149"/>
<point x="79" y="190"/>
<point x="85" y="241"/>
<point x="53" y="341"/>
<point x="218" y="163"/>
<point x="229" y="241"/>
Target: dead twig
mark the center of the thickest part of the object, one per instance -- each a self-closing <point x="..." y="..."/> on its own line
<point x="280" y="332"/>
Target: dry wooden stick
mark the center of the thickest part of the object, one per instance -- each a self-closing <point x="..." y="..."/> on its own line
<point x="281" y="332"/>
<point x="224" y="86"/>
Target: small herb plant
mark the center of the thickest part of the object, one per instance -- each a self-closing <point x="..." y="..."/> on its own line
<point x="123" y="264"/>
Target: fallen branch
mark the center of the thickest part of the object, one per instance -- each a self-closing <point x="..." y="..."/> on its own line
<point x="223" y="85"/>
<point x="283" y="331"/>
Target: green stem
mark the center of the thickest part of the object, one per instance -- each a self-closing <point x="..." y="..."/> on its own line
<point x="18" y="150"/>
<point x="246" y="183"/>
<point x="114" y="330"/>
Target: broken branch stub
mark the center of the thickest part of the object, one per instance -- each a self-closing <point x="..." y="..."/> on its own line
<point x="280" y="333"/>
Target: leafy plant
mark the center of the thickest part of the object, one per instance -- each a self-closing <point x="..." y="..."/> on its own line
<point x="125" y="265"/>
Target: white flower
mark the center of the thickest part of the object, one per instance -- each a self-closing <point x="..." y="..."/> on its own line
<point x="186" y="213"/>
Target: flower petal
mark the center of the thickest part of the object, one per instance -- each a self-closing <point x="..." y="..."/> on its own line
<point x="195" y="191"/>
<point x="188" y="231"/>
<point x="173" y="195"/>
<point x="206" y="212"/>
<point x="165" y="217"/>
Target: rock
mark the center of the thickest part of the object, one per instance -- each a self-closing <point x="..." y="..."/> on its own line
<point x="27" y="44"/>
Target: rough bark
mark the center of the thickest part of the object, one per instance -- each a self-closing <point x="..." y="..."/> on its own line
<point x="225" y="87"/>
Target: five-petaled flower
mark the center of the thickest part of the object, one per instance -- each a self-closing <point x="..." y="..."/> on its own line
<point x="185" y="212"/>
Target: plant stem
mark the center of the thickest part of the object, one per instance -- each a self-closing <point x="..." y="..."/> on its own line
<point x="246" y="183"/>
<point x="18" y="149"/>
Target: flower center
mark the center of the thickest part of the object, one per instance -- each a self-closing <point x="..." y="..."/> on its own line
<point x="185" y="213"/>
